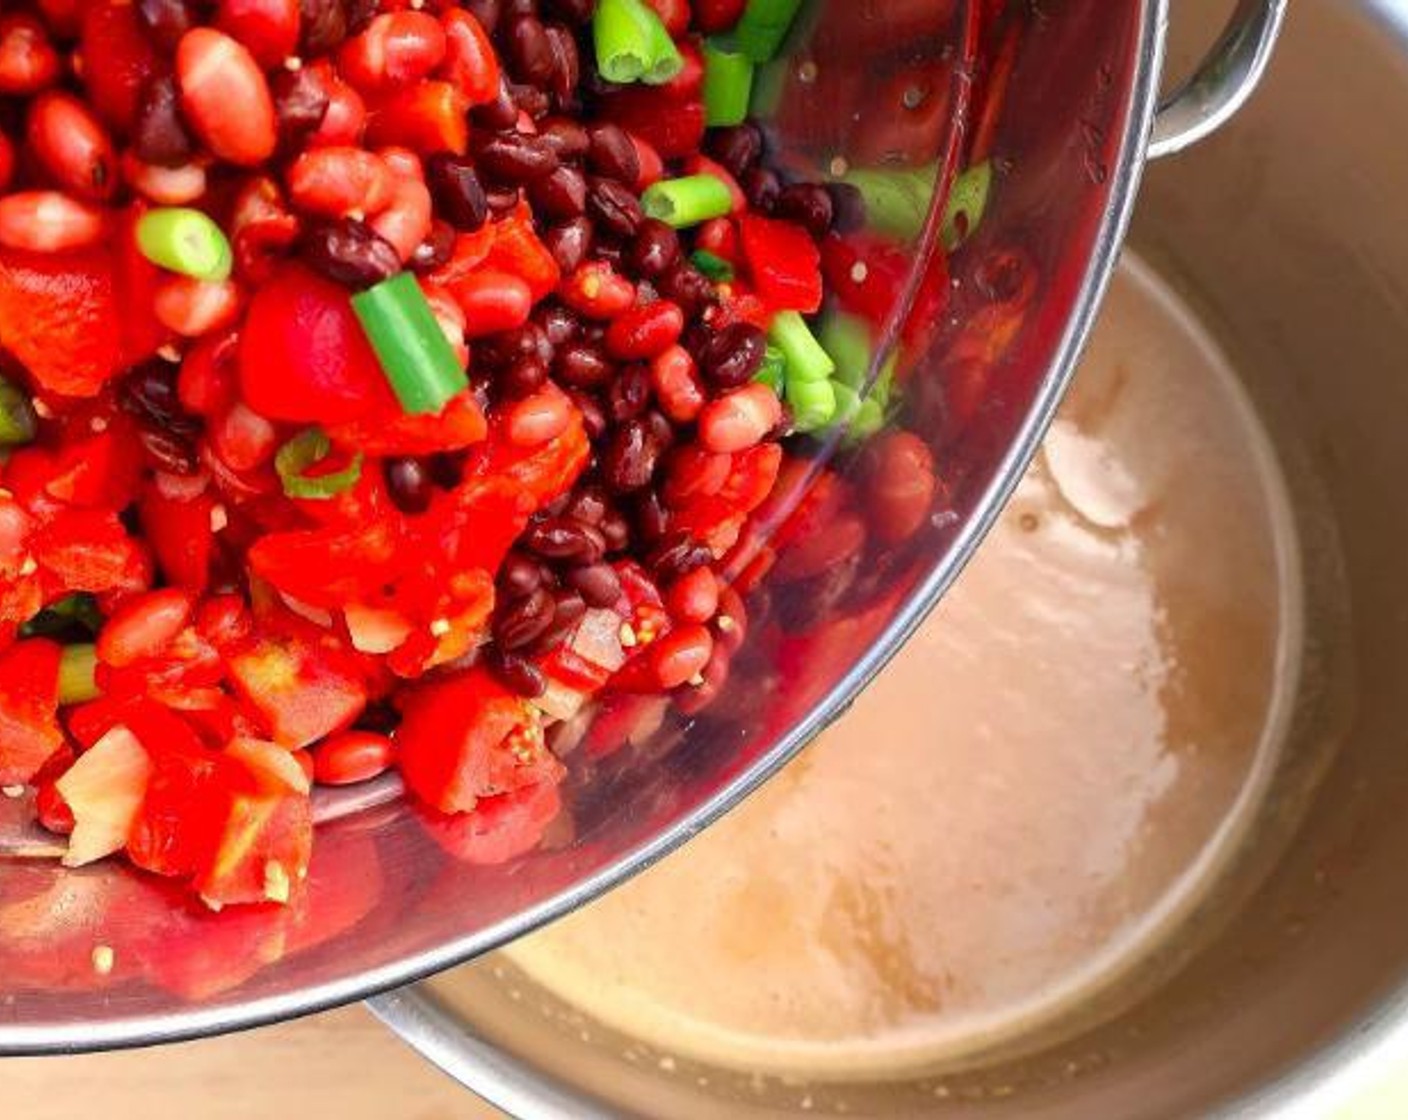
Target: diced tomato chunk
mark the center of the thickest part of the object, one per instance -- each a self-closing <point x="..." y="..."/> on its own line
<point x="301" y="690"/>
<point x="29" y="704"/>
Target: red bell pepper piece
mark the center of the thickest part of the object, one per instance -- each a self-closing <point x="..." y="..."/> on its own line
<point x="467" y="737"/>
<point x="459" y="425"/>
<point x="181" y="536"/>
<point x="673" y="127"/>
<point x="517" y="250"/>
<point x="29" y="704"/>
<point x="784" y="262"/>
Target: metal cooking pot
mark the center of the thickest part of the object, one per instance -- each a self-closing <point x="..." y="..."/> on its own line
<point x="389" y="904"/>
<point x="1287" y="235"/>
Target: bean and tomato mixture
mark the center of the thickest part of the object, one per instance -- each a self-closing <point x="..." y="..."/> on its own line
<point x="383" y="383"/>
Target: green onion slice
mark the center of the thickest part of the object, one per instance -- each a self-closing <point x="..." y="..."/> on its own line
<point x="806" y="360"/>
<point x="306" y="450"/>
<point x="967" y="203"/>
<point x="764" y="26"/>
<point x="773" y="371"/>
<point x="813" y="404"/>
<point x="18" y="422"/>
<point x="78" y="680"/>
<point x="728" y="84"/>
<point x="632" y="44"/>
<point x="712" y="265"/>
<point x="686" y="202"/>
<point x="187" y="241"/>
<point x="73" y="614"/>
<point x="416" y="357"/>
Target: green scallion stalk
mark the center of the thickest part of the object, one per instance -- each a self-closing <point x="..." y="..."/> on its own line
<point x="187" y="241"/>
<point x="632" y="44"/>
<point x="414" y="353"/>
<point x="728" y="84"/>
<point x="686" y="202"/>
<point x="304" y="451"/>
<point x="805" y="358"/>
<point x="18" y="422"/>
<point x="773" y="371"/>
<point x="764" y="26"/>
<point x="813" y="404"/>
<point x="869" y="419"/>
<point x="78" y="682"/>
<point x="967" y="203"/>
<point x="896" y="201"/>
<point x="73" y="613"/>
<point x="712" y="265"/>
<point x="848" y="403"/>
<point x="847" y="339"/>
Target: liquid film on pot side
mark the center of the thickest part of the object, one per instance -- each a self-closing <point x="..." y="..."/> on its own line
<point x="1025" y="804"/>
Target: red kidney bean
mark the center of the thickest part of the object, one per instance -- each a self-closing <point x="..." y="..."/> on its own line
<point x="49" y="222"/>
<point x="614" y="207"/>
<point x="471" y="64"/>
<point x="457" y="192"/>
<point x="693" y="698"/>
<point x="680" y="656"/>
<point x="143" y="627"/>
<point x="352" y="757"/>
<point x="407" y="221"/>
<point x="192" y="307"/>
<point x="694" y="597"/>
<point x="569" y="244"/>
<point x="695" y="472"/>
<point x="598" y="291"/>
<point x="216" y="73"/>
<point x="677" y="387"/>
<point x="166" y="186"/>
<point x="561" y="538"/>
<point x="349" y="252"/>
<point x="517" y="673"/>
<point x="335" y="182"/>
<point x="900" y="486"/>
<point x="28" y="60"/>
<point x="730" y="624"/>
<point x="646" y="331"/>
<point x="159" y="135"/>
<point x="535" y="420"/>
<point x="514" y="158"/>
<point x="165" y="20"/>
<point x="733" y="355"/>
<point x="396" y="49"/>
<point x="561" y="195"/>
<point x="242" y="439"/>
<point x="493" y="302"/>
<point x="72" y="145"/>
<point x="611" y="153"/>
<point x="301" y="100"/>
<point x="345" y="119"/>
<point x="522" y="621"/>
<point x="740" y="419"/>
<point x="269" y="28"/>
<point x="404" y="162"/>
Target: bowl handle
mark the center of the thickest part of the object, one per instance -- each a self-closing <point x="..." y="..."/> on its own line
<point x="1224" y="81"/>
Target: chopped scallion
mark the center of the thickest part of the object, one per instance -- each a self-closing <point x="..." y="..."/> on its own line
<point x="805" y="358"/>
<point x="773" y="371"/>
<point x="967" y="203"/>
<point x="764" y="26"/>
<point x="72" y="615"/>
<point x="869" y="419"/>
<point x="847" y="339"/>
<point x="632" y="44"/>
<point x="307" y="450"/>
<point x="414" y="353"/>
<point x="78" y="681"/>
<point x="18" y="422"/>
<point x="728" y="84"/>
<point x="813" y="403"/>
<point x="712" y="265"/>
<point x="187" y="241"/>
<point x="896" y="200"/>
<point x="686" y="202"/>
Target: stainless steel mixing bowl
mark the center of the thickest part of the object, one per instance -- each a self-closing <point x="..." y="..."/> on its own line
<point x="1289" y="237"/>
<point x="387" y="904"/>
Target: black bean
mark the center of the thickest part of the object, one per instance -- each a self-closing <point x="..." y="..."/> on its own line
<point x="503" y="202"/>
<point x="733" y="355"/>
<point x="360" y="13"/>
<point x="527" y="341"/>
<point x="651" y="519"/>
<point x="169" y="451"/>
<point x="522" y="377"/>
<point x="301" y="100"/>
<point x="562" y="538"/>
<point x="558" y="323"/>
<point x="598" y="584"/>
<point x="561" y="195"/>
<point x="587" y="505"/>
<point x="629" y="395"/>
<point x="675" y="556"/>
<point x="628" y="463"/>
<point x="518" y="673"/>
<point x="612" y="155"/>
<point x="458" y="194"/>
<point x="436" y="249"/>
<point x="166" y="20"/>
<point x="847" y="207"/>
<point x="514" y="8"/>
<point x="655" y="250"/>
<point x="529" y="53"/>
<point x="498" y="114"/>
<point x="569" y="244"/>
<point x="520" y="622"/>
<point x="515" y="157"/>
<point x="762" y="186"/>
<point x="568" y="607"/>
<point x="408" y="484"/>
<point x="532" y="100"/>
<point x="616" y="530"/>
<point x="149" y="392"/>
<point x="159" y="135"/>
<point x="660" y="430"/>
<point x="688" y="287"/>
<point x="322" y="25"/>
<point x="738" y="148"/>
<point x="593" y="418"/>
<point x="614" y="207"/>
<point x="808" y="204"/>
<point x="487" y="12"/>
<point x="446" y="469"/>
<point x="566" y="63"/>
<point x="573" y="11"/>
<point x="349" y="252"/>
<point x="564" y="136"/>
<point x="519" y="575"/>
<point x="582" y="365"/>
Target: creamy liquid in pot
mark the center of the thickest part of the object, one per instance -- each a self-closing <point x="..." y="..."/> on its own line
<point x="1046" y="778"/>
